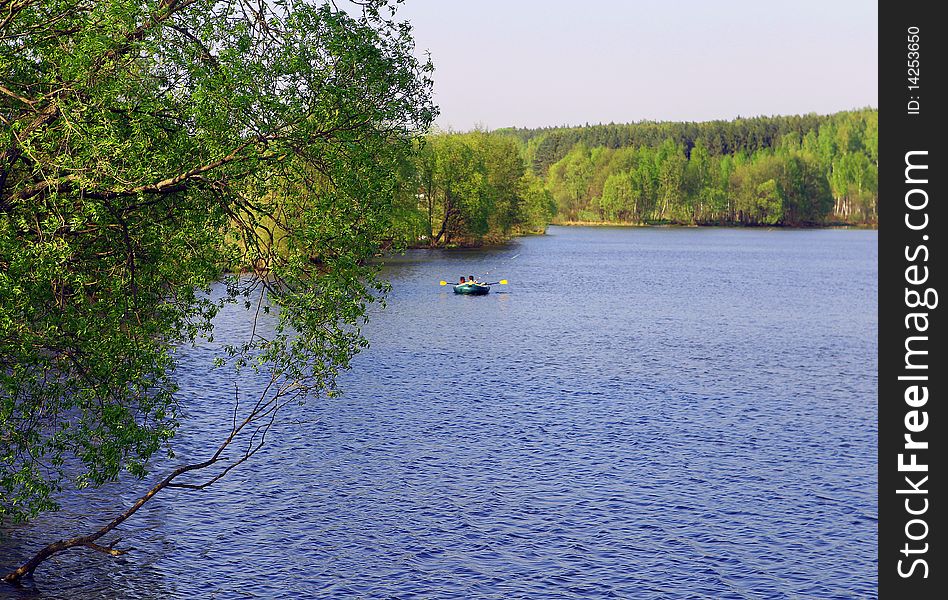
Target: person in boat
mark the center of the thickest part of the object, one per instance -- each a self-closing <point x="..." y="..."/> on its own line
<point x="472" y="280"/>
<point x="462" y="282"/>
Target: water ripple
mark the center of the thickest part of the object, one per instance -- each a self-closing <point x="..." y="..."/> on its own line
<point x="643" y="414"/>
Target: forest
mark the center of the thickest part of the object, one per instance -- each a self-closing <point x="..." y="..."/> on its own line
<point x="482" y="187"/>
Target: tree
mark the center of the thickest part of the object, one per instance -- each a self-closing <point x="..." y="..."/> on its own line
<point x="618" y="198"/>
<point x="697" y="183"/>
<point x="503" y="169"/>
<point x="147" y="146"/>
<point x="768" y="203"/>
<point x="854" y="182"/>
<point x="807" y="193"/>
<point x="457" y="189"/>
<point x="645" y="183"/>
<point x="471" y="187"/>
<point x="671" y="167"/>
<point x="537" y="206"/>
<point x="758" y="194"/>
<point x="569" y="181"/>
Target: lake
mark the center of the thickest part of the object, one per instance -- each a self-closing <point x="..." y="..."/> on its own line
<point x="640" y="413"/>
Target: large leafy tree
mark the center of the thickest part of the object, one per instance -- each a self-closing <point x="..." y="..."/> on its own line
<point x="144" y="148"/>
<point x="470" y="187"/>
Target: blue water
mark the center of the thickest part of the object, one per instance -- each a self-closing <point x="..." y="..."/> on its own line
<point x="640" y="413"/>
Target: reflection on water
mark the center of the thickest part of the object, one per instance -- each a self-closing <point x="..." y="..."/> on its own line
<point x="641" y="413"/>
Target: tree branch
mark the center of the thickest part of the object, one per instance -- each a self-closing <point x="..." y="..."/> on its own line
<point x="261" y="410"/>
<point x="16" y="96"/>
<point x="105" y="549"/>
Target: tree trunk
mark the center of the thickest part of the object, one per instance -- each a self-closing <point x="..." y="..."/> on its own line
<point x="88" y="541"/>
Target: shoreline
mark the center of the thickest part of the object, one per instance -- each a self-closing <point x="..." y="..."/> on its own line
<point x="627" y="224"/>
<point x="712" y="225"/>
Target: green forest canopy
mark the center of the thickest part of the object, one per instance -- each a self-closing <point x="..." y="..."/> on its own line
<point x="784" y="170"/>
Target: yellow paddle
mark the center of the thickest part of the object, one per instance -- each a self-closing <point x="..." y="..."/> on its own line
<point x="501" y="282"/>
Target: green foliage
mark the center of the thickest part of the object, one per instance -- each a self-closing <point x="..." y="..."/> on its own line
<point x="143" y="148"/>
<point x="619" y="198"/>
<point x="537" y="207"/>
<point x="471" y="188"/>
<point x="823" y="170"/>
<point x="549" y="145"/>
<point x="569" y="181"/>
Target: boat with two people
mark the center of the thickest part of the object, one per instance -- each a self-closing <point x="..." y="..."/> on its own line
<point x="472" y="287"/>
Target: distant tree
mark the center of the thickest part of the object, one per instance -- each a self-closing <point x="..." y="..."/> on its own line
<point x="569" y="181"/>
<point x="758" y="193"/>
<point x="806" y="193"/>
<point x="671" y="170"/>
<point x="537" y="206"/>
<point x="698" y="185"/>
<point x="460" y="187"/>
<point x="619" y="198"/>
<point x="854" y="184"/>
<point x="504" y="168"/>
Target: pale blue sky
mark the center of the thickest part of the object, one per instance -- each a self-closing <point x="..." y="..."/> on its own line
<point x="554" y="62"/>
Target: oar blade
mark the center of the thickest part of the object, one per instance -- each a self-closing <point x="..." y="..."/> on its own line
<point x="503" y="282"/>
<point x="442" y="283"/>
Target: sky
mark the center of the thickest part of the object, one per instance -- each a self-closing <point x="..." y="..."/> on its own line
<point x="534" y="63"/>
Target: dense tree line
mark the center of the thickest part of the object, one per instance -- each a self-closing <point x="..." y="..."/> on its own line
<point x="796" y="170"/>
<point x="546" y="146"/>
